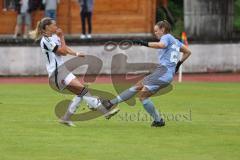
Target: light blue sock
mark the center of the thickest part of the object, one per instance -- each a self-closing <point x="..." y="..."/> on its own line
<point x="149" y="107"/>
<point x="125" y="95"/>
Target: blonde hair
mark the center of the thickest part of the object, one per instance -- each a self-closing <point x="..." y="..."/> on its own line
<point x="164" y="24"/>
<point x="36" y="34"/>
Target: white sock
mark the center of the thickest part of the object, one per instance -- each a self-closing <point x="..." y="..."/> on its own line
<point x="95" y="103"/>
<point x="92" y="101"/>
<point x="74" y="104"/>
<point x="72" y="108"/>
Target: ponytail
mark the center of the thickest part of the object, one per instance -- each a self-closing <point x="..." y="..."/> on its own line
<point x="37" y="32"/>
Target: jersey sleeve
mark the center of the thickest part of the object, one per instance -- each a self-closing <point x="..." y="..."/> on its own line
<point x="49" y="45"/>
<point x="179" y="44"/>
<point x="165" y="40"/>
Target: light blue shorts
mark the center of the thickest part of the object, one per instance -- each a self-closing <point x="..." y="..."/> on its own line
<point x="158" y="79"/>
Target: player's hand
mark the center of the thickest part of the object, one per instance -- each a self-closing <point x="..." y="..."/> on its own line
<point x="59" y="32"/>
<point x="80" y="54"/>
<point x="140" y="42"/>
<point x="178" y="65"/>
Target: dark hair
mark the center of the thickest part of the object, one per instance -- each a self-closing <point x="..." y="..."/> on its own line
<point x="41" y="26"/>
<point x="164" y="24"/>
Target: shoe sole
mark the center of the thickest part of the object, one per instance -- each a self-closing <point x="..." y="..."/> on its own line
<point x="67" y="123"/>
<point x="112" y="114"/>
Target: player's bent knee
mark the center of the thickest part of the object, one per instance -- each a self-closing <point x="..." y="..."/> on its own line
<point x="138" y="87"/>
<point x="142" y="96"/>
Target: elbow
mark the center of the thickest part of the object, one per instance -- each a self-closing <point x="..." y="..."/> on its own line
<point x="187" y="53"/>
<point x="62" y="51"/>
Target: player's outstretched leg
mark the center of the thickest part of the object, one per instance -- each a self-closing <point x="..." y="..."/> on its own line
<point x="124" y="96"/>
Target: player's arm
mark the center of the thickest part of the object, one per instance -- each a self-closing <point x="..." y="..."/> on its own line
<point x="63" y="50"/>
<point x="186" y="53"/>
<point x="157" y="45"/>
<point x="72" y="52"/>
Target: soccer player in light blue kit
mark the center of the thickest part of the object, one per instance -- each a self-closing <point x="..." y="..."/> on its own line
<point x="169" y="49"/>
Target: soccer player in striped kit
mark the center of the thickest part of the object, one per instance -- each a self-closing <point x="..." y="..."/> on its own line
<point x="169" y="49"/>
<point x="53" y="46"/>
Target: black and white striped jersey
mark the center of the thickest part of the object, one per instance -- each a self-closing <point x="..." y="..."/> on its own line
<point x="49" y="46"/>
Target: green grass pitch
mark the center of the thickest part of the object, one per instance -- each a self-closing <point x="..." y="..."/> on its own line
<point x="29" y="127"/>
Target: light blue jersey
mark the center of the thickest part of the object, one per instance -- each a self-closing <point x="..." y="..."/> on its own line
<point x="169" y="56"/>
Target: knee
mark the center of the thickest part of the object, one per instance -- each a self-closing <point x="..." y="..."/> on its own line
<point x="138" y="87"/>
<point x="142" y="96"/>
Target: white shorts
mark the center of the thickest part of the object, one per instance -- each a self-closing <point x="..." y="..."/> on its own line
<point x="63" y="83"/>
<point x="60" y="81"/>
<point x="69" y="78"/>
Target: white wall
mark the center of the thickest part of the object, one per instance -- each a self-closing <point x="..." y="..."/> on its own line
<point x="205" y="57"/>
